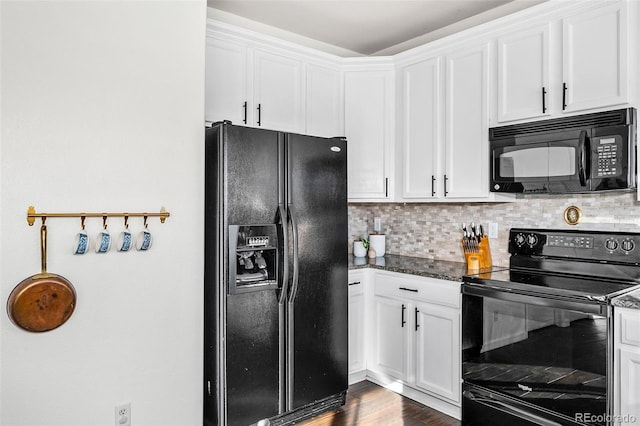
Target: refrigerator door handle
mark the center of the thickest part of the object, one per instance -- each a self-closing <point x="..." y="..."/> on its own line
<point x="285" y="254"/>
<point x="294" y="229"/>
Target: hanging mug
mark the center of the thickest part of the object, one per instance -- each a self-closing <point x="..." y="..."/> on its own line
<point x="144" y="238"/>
<point x="125" y="240"/>
<point x="103" y="240"/>
<point x="81" y="244"/>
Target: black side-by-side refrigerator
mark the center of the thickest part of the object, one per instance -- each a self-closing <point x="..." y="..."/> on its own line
<point x="276" y="308"/>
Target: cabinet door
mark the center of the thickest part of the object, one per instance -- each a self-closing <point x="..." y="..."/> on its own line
<point x="438" y="350"/>
<point x="422" y="130"/>
<point x="278" y="92"/>
<point x="466" y="141"/>
<point x="595" y="58"/>
<point x="630" y="383"/>
<point x="368" y="106"/>
<point x="225" y="81"/>
<point x="323" y="106"/>
<point x="389" y="336"/>
<point x="356" y="327"/>
<point x="523" y="74"/>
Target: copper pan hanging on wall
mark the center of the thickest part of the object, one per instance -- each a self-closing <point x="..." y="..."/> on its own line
<point x="44" y="301"/>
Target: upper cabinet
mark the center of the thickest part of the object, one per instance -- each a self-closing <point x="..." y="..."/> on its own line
<point x="249" y="84"/>
<point x="324" y="110"/>
<point x="417" y="122"/>
<point x="444" y="104"/>
<point x="575" y="62"/>
<point x="421" y="129"/>
<point x="277" y="88"/>
<point x="594" y="67"/>
<point x="368" y="109"/>
<point x="226" y="81"/>
<point x="466" y="172"/>
<point x="523" y="74"/>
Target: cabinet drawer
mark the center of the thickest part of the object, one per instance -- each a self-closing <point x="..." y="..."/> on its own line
<point x="403" y="286"/>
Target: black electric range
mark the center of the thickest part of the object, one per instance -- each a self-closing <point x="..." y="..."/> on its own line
<point x="537" y="337"/>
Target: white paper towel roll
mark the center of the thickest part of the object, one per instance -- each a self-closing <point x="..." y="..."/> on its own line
<point x="377" y="242"/>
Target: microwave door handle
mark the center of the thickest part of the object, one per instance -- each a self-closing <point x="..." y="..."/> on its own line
<point x="584" y="150"/>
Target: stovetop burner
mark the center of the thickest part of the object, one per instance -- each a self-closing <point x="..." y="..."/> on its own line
<point x="590" y="266"/>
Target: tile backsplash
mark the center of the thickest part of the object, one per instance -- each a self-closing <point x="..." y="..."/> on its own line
<point x="432" y="230"/>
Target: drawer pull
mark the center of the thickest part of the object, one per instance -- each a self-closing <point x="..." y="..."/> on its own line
<point x="354" y="283"/>
<point x="414" y="290"/>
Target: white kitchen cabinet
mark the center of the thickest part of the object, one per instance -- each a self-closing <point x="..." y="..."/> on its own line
<point x="226" y="87"/>
<point x="278" y="92"/>
<point x="389" y="336"/>
<point x="422" y="135"/>
<point x="523" y="74"/>
<point x="627" y="366"/>
<point x="357" y="364"/>
<point x="595" y="54"/>
<point x="466" y="158"/>
<point x="253" y="87"/>
<point x="438" y="350"/>
<point x="368" y="121"/>
<point x="416" y="337"/>
<point x="323" y="101"/>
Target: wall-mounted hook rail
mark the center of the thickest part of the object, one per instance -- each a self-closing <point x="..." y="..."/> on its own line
<point x="32" y="215"/>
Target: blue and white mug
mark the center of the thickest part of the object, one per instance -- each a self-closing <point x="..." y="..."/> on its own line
<point x="125" y="240"/>
<point x="144" y="240"/>
<point x="103" y="241"/>
<point x="81" y="245"/>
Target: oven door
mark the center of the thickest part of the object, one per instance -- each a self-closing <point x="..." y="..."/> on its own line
<point x="526" y="358"/>
<point x="557" y="163"/>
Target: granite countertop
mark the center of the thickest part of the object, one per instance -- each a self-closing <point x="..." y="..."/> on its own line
<point x="630" y="300"/>
<point x="440" y="269"/>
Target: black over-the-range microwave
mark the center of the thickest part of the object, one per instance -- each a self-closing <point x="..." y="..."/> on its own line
<point x="582" y="153"/>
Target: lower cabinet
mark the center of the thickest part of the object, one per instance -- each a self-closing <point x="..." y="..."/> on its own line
<point x="415" y="339"/>
<point x="357" y="364"/>
<point x="627" y="366"/>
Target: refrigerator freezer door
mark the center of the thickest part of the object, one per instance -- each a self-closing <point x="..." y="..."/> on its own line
<point x="317" y="326"/>
<point x="242" y="188"/>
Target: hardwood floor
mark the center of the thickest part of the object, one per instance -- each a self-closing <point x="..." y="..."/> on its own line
<point x="371" y="405"/>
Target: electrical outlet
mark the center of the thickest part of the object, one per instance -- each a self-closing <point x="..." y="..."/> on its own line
<point x="123" y="414"/>
<point x="493" y="230"/>
<point x="377" y="224"/>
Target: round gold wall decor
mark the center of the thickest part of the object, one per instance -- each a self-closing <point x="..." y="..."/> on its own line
<point x="572" y="215"/>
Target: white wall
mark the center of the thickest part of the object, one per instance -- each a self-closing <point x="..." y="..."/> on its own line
<point x="102" y="108"/>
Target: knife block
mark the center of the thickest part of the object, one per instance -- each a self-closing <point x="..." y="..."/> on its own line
<point x="477" y="255"/>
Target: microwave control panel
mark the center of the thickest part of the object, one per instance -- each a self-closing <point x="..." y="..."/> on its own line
<point x="607" y="155"/>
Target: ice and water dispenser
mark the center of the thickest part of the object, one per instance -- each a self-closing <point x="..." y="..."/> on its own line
<point x="253" y="258"/>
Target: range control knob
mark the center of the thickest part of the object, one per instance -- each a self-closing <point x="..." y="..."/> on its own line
<point x="532" y="240"/>
<point x="627" y="245"/>
<point x="519" y="239"/>
<point x="611" y="244"/>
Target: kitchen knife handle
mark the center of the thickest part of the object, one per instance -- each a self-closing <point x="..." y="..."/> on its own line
<point x="433" y="186"/>
<point x="416" y="319"/>
<point x="244" y="107"/>
<point x="402" y="316"/>
<point x="445" y="185"/>
<point x="285" y="254"/>
<point x="259" y="114"/>
<point x="544" y="100"/>
<point x="564" y="96"/>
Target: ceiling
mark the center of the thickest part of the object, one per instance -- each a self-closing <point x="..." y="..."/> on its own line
<point x="363" y="27"/>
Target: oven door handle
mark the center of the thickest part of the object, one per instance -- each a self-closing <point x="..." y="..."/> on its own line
<point x="589" y="306"/>
<point x="510" y="409"/>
